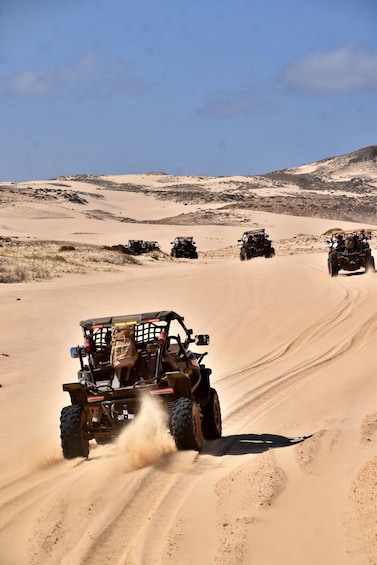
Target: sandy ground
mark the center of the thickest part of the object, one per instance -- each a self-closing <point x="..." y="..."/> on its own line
<point x="292" y="481"/>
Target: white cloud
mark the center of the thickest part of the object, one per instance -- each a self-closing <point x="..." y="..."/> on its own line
<point x="345" y="69"/>
<point x="86" y="70"/>
<point x="226" y="104"/>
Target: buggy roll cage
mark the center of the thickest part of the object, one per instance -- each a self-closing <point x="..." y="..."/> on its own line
<point x="245" y="236"/>
<point x="148" y="328"/>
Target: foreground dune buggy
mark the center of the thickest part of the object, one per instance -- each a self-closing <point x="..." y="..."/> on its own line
<point x="349" y="251"/>
<point x="184" y="247"/>
<point x="255" y="243"/>
<point x="124" y="357"/>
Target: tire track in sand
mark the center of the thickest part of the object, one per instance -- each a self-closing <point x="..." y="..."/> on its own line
<point x="263" y="398"/>
<point x="325" y="323"/>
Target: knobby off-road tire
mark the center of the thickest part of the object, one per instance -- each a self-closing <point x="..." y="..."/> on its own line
<point x="73" y="440"/>
<point x="243" y="255"/>
<point x="185" y="425"/>
<point x="211" y="423"/>
<point x="333" y="267"/>
<point x="369" y="264"/>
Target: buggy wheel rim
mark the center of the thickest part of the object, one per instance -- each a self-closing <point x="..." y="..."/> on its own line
<point x="217" y="413"/>
<point x="196" y="422"/>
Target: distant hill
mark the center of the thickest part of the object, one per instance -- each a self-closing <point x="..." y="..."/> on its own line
<point x="356" y="170"/>
<point x="342" y="187"/>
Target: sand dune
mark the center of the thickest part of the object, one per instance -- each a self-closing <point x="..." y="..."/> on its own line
<point x="293" y="353"/>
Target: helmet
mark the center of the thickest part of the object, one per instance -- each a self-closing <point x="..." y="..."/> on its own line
<point x="349" y="243"/>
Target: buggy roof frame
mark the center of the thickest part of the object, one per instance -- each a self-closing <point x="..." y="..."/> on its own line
<point x="158" y="316"/>
<point x="249" y="232"/>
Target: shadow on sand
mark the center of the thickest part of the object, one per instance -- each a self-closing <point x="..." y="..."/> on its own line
<point x="248" y="443"/>
<point x="356" y="273"/>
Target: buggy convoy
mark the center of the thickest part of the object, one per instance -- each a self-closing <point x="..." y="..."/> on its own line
<point x="255" y="243"/>
<point x="124" y="357"/>
<point x="349" y="251"/>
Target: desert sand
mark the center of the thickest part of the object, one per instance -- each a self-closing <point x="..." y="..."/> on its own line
<point x="293" y="351"/>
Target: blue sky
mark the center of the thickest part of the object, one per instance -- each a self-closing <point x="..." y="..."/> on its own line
<point x="201" y="87"/>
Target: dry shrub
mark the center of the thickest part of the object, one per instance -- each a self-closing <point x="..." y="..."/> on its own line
<point x="332" y="230"/>
<point x="58" y="258"/>
<point x="16" y="272"/>
<point x="25" y="261"/>
<point x="11" y="272"/>
<point x="67" y="248"/>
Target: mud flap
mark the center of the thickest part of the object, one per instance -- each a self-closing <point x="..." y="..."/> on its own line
<point x="77" y="393"/>
<point x="180" y="382"/>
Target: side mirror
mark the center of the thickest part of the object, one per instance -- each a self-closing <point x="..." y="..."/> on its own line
<point x="202" y="339"/>
<point x="77" y="352"/>
<point x="74" y="351"/>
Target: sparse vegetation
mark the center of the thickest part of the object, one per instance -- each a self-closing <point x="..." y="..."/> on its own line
<point x="22" y="261"/>
<point x="332" y="230"/>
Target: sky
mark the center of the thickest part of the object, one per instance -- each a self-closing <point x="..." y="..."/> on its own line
<point x="200" y="87"/>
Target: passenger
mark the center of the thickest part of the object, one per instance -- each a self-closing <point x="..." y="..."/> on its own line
<point x="363" y="240"/>
<point x="339" y="242"/>
<point x="350" y="244"/>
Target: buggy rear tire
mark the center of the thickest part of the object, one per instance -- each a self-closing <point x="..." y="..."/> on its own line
<point x="333" y="267"/>
<point x="243" y="254"/>
<point x="211" y="423"/>
<point x="73" y="440"/>
<point x="369" y="264"/>
<point x="185" y="425"/>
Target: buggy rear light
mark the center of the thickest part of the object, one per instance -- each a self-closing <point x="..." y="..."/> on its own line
<point x="95" y="398"/>
<point x="162" y="337"/>
<point x="162" y="391"/>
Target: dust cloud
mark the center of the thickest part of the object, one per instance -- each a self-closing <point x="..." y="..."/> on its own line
<point x="145" y="440"/>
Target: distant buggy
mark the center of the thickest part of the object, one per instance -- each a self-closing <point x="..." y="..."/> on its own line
<point x="152" y="245"/>
<point x="184" y="247"/>
<point x="124" y="357"/>
<point x="255" y="243"/>
<point x="349" y="251"/>
<point x="139" y="246"/>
